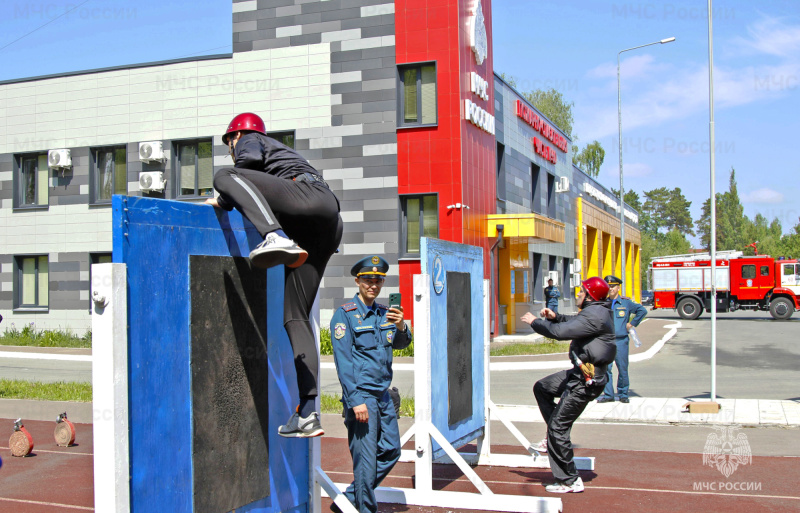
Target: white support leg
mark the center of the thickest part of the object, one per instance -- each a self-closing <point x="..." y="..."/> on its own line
<point x="315" y="444"/>
<point x="423" y="461"/>
<point x="110" y="386"/>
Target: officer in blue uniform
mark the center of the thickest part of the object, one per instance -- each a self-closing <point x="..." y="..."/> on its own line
<point x="552" y="294"/>
<point x="364" y="333"/>
<point x="621" y="309"/>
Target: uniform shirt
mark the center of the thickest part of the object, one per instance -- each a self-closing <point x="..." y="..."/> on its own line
<point x="363" y="340"/>
<point x="552" y="294"/>
<point x="622" y="308"/>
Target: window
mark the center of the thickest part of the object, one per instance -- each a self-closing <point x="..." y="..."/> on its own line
<point x="31" y="286"/>
<point x="748" y="271"/>
<point x="32" y="181"/>
<point x="420" y="218"/>
<point x="195" y="168"/>
<point x="764" y="270"/>
<point x="416" y="95"/>
<point x="96" y="258"/>
<point x="285" y="138"/>
<point x="110" y="173"/>
<point x="536" y="191"/>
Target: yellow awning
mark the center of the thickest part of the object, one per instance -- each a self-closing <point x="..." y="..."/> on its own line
<point x="531" y="227"/>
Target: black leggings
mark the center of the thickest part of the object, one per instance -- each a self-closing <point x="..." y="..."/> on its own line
<point x="308" y="212"/>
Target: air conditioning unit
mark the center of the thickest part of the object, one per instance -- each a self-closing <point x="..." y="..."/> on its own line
<point x="563" y="184"/>
<point x="553" y="275"/>
<point x="152" y="151"/>
<point x="151" y="181"/>
<point x="59" y="158"/>
<point x="576" y="280"/>
<point x="575" y="266"/>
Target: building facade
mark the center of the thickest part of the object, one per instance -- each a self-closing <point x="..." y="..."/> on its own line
<point x="396" y="103"/>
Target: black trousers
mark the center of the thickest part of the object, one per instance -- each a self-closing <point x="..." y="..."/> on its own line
<point x="571" y="387"/>
<point x="308" y="212"/>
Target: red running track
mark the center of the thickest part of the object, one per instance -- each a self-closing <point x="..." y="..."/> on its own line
<point x="60" y="479"/>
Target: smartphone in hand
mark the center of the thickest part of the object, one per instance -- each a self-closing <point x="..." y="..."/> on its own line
<point x="394" y="300"/>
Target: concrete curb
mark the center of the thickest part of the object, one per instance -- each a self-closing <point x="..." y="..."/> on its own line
<point x="27" y="409"/>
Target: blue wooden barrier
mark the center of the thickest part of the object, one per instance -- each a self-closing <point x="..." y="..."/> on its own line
<point x="155" y="238"/>
<point x="439" y="257"/>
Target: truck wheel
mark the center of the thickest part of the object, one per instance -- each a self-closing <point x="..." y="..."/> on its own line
<point x="689" y="308"/>
<point x="781" y="309"/>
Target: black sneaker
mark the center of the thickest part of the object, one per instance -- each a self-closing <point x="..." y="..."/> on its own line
<point x="604" y="399"/>
<point x="624" y="400"/>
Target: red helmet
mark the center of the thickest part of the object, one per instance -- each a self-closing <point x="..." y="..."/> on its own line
<point x="245" y="121"/>
<point x="596" y="287"/>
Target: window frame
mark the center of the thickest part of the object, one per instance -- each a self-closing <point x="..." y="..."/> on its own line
<point x="94" y="174"/>
<point x="749" y="267"/>
<point x="94" y="258"/>
<point x="17" y="182"/>
<point x="401" y="97"/>
<point x="277" y="135"/>
<point x="403" y="229"/>
<point x="18" y="305"/>
<point x="176" y="168"/>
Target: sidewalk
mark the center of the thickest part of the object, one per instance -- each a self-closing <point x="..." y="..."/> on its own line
<point x="654" y="333"/>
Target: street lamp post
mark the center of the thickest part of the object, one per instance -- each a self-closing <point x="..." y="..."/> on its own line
<point x="621" y="189"/>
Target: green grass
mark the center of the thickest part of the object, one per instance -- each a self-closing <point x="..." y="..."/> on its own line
<point x="61" y="391"/>
<point x="549" y="346"/>
<point x="30" y="336"/>
<point x="330" y="404"/>
<point x="326" y="348"/>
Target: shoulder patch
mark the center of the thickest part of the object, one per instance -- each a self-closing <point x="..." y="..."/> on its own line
<point x="349" y="307"/>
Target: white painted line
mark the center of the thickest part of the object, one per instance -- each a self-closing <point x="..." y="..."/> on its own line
<point x="35" y="450"/>
<point x="47" y="356"/>
<point x="647" y="490"/>
<point x="68" y="506"/>
<point x="673" y="329"/>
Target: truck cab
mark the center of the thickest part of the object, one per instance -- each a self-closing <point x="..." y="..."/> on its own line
<point x="752" y="278"/>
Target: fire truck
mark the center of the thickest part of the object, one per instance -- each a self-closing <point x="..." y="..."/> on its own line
<point x="683" y="282"/>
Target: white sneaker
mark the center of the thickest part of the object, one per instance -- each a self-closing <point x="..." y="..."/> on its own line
<point x="576" y="487"/>
<point x="540" y="447"/>
<point x="277" y="250"/>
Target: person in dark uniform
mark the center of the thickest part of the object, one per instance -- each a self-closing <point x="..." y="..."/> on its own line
<point x="292" y="207"/>
<point x="551" y="295"/>
<point x="592" y="336"/>
<point x="621" y="309"/>
<point x="364" y="333"/>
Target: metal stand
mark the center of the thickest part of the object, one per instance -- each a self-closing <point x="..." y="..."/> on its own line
<point x="424" y="433"/>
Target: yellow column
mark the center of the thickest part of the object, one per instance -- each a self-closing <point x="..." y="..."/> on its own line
<point x="637" y="274"/>
<point x="593" y="256"/>
<point x="504" y="285"/>
<point x="617" y="257"/>
<point x="629" y="265"/>
<point x="608" y="267"/>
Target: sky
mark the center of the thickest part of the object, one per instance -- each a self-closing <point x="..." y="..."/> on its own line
<point x="571" y="46"/>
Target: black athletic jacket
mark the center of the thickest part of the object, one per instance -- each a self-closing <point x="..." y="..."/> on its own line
<point x="261" y="153"/>
<point x="591" y="332"/>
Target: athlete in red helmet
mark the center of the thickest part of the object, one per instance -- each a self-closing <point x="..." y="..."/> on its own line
<point x="292" y="207"/>
<point x="593" y="344"/>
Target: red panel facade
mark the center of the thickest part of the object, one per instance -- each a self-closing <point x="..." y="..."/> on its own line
<point x="454" y="159"/>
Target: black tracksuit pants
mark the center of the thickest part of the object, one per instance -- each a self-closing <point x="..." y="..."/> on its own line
<point x="308" y="212"/>
<point x="570" y="385"/>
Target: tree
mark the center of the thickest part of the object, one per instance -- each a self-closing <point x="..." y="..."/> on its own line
<point x="790" y="244"/>
<point x="655" y="210"/>
<point x="730" y="219"/>
<point x="677" y="212"/>
<point x="553" y="105"/>
<point x="590" y="158"/>
<point x="768" y="236"/>
<point x="509" y="80"/>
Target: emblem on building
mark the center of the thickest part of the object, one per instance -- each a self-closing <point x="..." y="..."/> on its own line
<point x="726" y="450"/>
<point x="479" y="40"/>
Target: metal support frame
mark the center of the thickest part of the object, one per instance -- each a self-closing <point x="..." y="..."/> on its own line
<point x="424" y="433"/>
